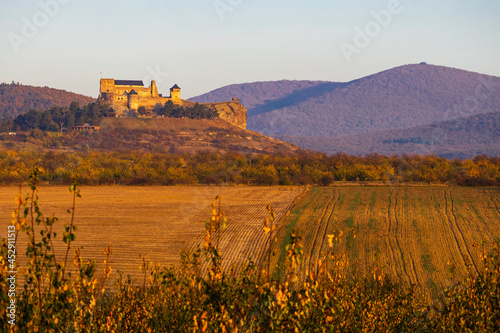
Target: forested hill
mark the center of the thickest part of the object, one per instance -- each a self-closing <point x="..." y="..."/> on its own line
<point x="400" y="98"/>
<point x="16" y="99"/>
<point x="461" y="138"/>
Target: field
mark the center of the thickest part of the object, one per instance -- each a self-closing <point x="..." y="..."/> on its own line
<point x="156" y="222"/>
<point x="419" y="235"/>
<point x="425" y="236"/>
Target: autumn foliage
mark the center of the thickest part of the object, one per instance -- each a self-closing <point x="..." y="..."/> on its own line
<point x="136" y="168"/>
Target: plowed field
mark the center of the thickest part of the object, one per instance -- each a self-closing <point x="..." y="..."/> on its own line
<point x="416" y="234"/>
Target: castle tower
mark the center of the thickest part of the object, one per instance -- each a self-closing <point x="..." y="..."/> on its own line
<point x="107" y="89"/>
<point x="133" y="100"/>
<point x="175" y="92"/>
<point x="154" y="89"/>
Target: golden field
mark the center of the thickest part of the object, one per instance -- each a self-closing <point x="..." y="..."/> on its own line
<point x="420" y="235"/>
<point x="156" y="222"/>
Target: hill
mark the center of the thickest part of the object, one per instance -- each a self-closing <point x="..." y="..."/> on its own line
<point x="171" y="135"/>
<point x="16" y="99"/>
<point x="399" y="98"/>
<point x="459" y="138"/>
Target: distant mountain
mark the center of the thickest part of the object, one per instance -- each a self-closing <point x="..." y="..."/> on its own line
<point x="403" y="97"/>
<point x="16" y="99"/>
<point x="459" y="138"/>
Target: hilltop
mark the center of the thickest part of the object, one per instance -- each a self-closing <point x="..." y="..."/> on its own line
<point x="159" y="135"/>
<point x="183" y="136"/>
<point x="253" y="95"/>
<point x="400" y="98"/>
<point x="16" y="99"/>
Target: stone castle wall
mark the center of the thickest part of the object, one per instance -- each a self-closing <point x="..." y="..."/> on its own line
<point x="125" y="99"/>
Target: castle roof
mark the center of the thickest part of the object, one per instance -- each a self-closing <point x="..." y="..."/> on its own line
<point x="133" y="92"/>
<point x="128" y="83"/>
<point x="175" y="87"/>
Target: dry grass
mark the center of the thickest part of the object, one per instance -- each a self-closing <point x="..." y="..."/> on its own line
<point x="184" y="136"/>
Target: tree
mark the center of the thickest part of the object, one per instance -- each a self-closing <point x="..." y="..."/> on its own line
<point x="326" y="179"/>
<point x="73" y="107"/>
<point x="70" y="121"/>
<point x="58" y="116"/>
<point x="168" y="109"/>
<point x="29" y="120"/>
<point x="7" y="125"/>
<point x="158" y="109"/>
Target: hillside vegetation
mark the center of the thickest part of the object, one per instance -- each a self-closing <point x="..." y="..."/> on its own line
<point x="64" y="119"/>
<point x="16" y="99"/>
<point x="157" y="135"/>
<point x="133" y="167"/>
<point x="459" y="138"/>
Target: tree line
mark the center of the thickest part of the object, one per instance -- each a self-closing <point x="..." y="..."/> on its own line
<point x="172" y="110"/>
<point x="143" y="168"/>
<point x="58" y="119"/>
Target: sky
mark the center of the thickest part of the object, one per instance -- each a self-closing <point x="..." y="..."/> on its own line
<point x="202" y="45"/>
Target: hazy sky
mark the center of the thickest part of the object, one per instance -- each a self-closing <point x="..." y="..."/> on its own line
<point x="205" y="44"/>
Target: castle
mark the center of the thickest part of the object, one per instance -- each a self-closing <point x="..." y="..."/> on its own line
<point x="127" y="96"/>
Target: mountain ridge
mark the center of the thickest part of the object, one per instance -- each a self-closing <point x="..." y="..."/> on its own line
<point x="407" y="96"/>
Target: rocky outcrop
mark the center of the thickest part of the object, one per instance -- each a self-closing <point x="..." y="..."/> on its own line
<point x="233" y="112"/>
